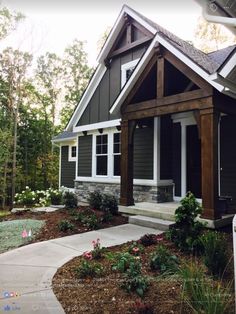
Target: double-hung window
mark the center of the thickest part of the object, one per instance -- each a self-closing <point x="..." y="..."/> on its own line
<point x="101" y="154"/>
<point x="116" y="154"/>
<point x="72" y="153"/>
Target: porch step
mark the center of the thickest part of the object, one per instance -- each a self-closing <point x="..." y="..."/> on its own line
<point x="164" y="211"/>
<point x="151" y="222"/>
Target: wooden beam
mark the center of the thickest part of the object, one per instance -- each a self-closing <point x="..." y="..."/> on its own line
<point x="142" y="29"/>
<point x="160" y="77"/>
<point x="159" y="110"/>
<point x="164" y="101"/>
<point x="224" y="103"/>
<point x="129" y="46"/>
<point x="209" y="152"/>
<point x="138" y="83"/>
<point x="129" y="34"/>
<point x="193" y="76"/>
<point x="126" y="187"/>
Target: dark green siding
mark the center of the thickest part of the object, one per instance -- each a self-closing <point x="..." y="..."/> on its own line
<point x="85" y="156"/>
<point x="108" y="90"/>
<point x="67" y="169"/>
<point x="228" y="156"/>
<point x="166" y="149"/>
<point x="177" y="158"/>
<point x="143" y="153"/>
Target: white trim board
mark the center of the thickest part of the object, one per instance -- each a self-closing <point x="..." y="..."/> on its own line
<point x="99" y="125"/>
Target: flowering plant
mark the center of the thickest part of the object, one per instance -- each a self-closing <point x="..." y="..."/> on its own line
<point x="135" y="248"/>
<point x="97" y="249"/>
<point x="87" y="255"/>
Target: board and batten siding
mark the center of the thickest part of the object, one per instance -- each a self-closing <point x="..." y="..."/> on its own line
<point x="85" y="156"/>
<point x="108" y="90"/>
<point x="228" y="157"/>
<point x="67" y="169"/>
<point x="143" y="153"/>
<point x="166" y="148"/>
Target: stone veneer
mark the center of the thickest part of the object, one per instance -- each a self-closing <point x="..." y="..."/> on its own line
<point x="142" y="193"/>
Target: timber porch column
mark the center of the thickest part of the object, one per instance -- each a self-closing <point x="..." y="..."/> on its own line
<point x="127" y="143"/>
<point x="209" y="119"/>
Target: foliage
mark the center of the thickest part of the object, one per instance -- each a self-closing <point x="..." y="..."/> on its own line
<point x="135" y="248"/>
<point x="122" y="261"/>
<point x="186" y="231"/>
<point x="11" y="232"/>
<point x="148" y="239"/>
<point x="65" y="225"/>
<point x="138" y="284"/>
<point x="97" y="249"/>
<point x="163" y="261"/>
<point x="88" y="269"/>
<point x="91" y="221"/>
<point x="109" y="204"/>
<point x="215" y="252"/>
<point x="70" y="199"/>
<point x="56" y="196"/>
<point x="95" y="200"/>
<point x="203" y="295"/>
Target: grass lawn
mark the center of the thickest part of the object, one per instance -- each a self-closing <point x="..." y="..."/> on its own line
<point x="11" y="232"/>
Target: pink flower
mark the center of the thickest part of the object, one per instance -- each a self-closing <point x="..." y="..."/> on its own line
<point x="159" y="237"/>
<point x="88" y="255"/>
<point x="135" y="250"/>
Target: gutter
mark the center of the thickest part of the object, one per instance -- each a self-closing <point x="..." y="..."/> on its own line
<point x="228" y="21"/>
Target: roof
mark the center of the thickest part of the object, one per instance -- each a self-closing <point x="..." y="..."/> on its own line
<point x="220" y="56"/>
<point x="65" y="135"/>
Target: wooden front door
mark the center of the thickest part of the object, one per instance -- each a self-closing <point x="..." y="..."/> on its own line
<point x="193" y="161"/>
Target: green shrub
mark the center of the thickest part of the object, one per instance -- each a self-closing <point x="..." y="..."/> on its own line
<point x="65" y="225"/>
<point x="148" y="239"/>
<point x="56" y="197"/>
<point x="91" y="221"/>
<point x="26" y="197"/>
<point x="163" y="261"/>
<point x="88" y="269"/>
<point x="109" y="204"/>
<point x="122" y="261"/>
<point x="204" y="295"/>
<point x="215" y="252"/>
<point x="138" y="284"/>
<point x="185" y="234"/>
<point x="70" y="200"/>
<point x="97" y="250"/>
<point x="95" y="200"/>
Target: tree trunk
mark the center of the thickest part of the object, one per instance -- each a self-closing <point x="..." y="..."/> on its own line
<point x="13" y="189"/>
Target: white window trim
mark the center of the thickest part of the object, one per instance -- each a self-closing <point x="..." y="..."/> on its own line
<point x="70" y="158"/>
<point x="96" y="155"/>
<point x="125" y="67"/>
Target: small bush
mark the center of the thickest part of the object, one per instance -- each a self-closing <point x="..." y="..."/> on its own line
<point x="95" y="200"/>
<point x="88" y="269"/>
<point x="97" y="249"/>
<point x="65" y="225"/>
<point x="91" y="221"/>
<point x="215" y="252"/>
<point x="138" y="284"/>
<point x="122" y="261"/>
<point x="26" y="197"/>
<point x="203" y="295"/>
<point x="163" y="261"/>
<point x="109" y="204"/>
<point x="148" y="239"/>
<point x="56" y="197"/>
<point x="187" y="230"/>
<point x="70" y="199"/>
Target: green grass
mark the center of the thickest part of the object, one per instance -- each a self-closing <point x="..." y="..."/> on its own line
<point x="4" y="213"/>
<point x="11" y="232"/>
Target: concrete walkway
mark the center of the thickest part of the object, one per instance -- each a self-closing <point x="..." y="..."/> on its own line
<point x="28" y="271"/>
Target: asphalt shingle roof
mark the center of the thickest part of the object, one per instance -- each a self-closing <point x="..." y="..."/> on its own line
<point x="64" y="135"/>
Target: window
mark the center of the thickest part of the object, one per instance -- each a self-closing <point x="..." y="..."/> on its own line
<point x="101" y="154"/>
<point x="126" y="71"/>
<point x="116" y="154"/>
<point x="72" y="153"/>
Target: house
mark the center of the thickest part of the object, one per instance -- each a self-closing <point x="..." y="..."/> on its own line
<point x="156" y="120"/>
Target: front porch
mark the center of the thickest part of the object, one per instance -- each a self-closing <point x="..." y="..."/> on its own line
<point x="162" y="215"/>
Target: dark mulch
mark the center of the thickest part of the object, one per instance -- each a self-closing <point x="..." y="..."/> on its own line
<point x="51" y="230"/>
<point x="103" y="295"/>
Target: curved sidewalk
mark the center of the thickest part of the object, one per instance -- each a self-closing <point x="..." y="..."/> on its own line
<point x="28" y="271"/>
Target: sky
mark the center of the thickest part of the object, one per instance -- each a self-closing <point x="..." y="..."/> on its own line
<point x="51" y="25"/>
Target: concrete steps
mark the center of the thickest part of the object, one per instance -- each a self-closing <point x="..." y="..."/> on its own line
<point x="150" y="222"/>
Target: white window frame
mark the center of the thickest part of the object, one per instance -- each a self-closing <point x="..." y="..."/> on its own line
<point x="115" y="154"/>
<point x="70" y="158"/>
<point x="96" y="155"/>
<point x="125" y="67"/>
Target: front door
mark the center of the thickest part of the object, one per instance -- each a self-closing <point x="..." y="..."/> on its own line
<point x="193" y="161"/>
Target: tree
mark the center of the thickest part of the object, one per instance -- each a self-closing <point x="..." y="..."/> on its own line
<point x="8" y="21"/>
<point x="76" y="76"/>
<point x="211" y="37"/>
<point x="13" y="68"/>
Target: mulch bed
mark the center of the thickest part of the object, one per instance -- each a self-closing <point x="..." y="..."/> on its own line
<point x="51" y="230"/>
<point x="103" y="295"/>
